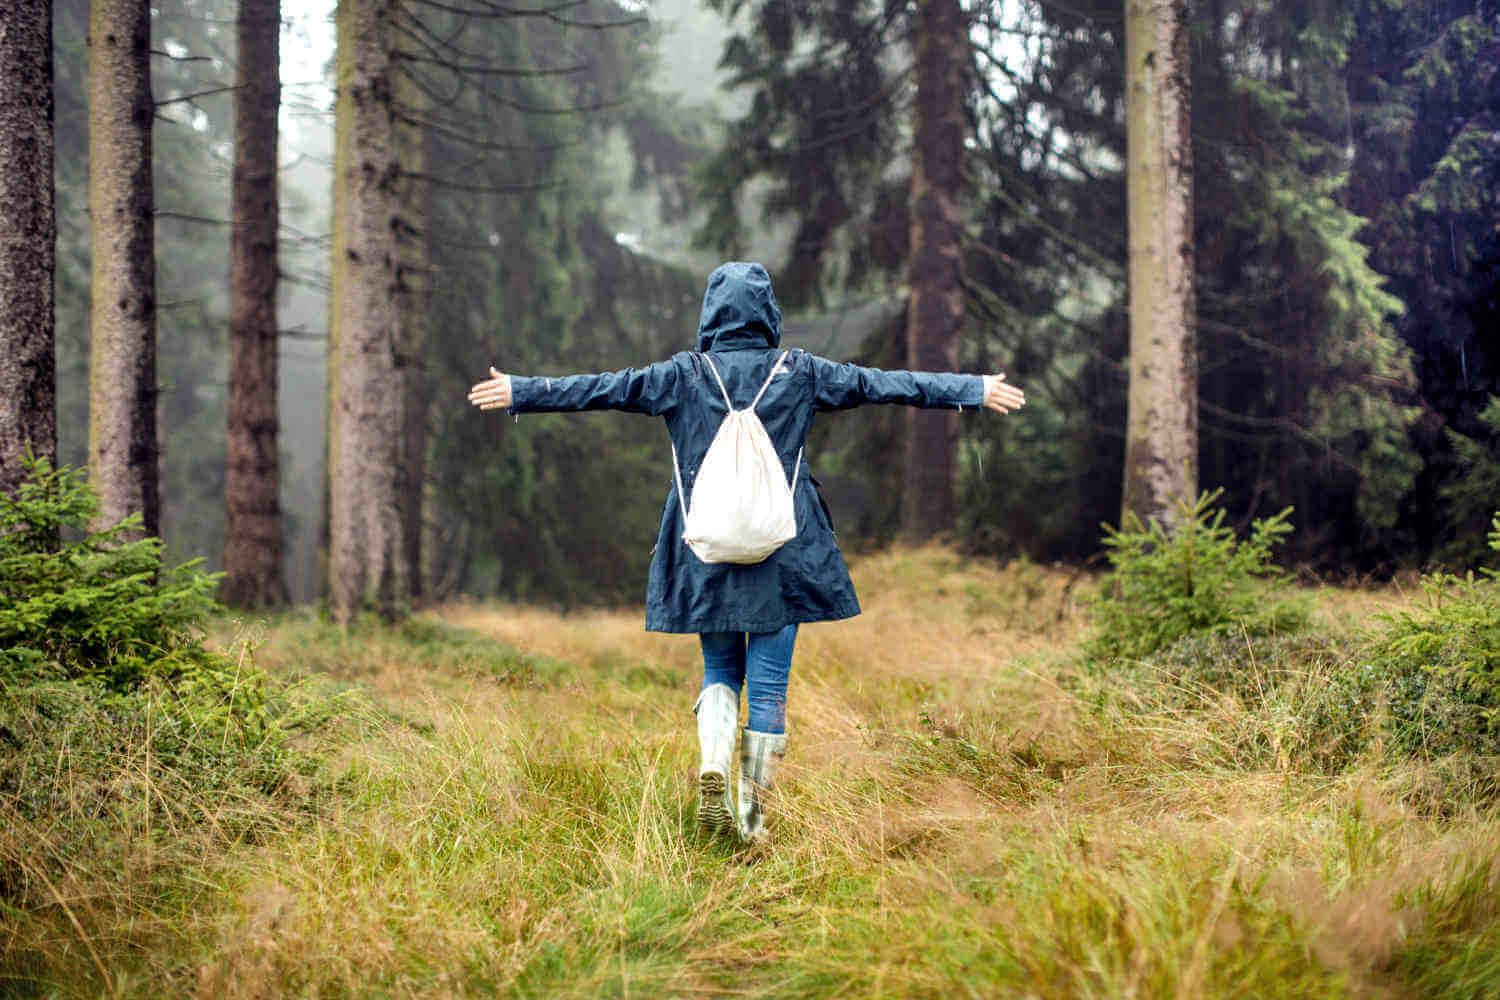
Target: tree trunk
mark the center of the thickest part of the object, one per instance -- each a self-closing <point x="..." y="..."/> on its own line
<point x="28" y="237"/>
<point x="123" y="449"/>
<point x="414" y="289"/>
<point x="1161" y="446"/>
<point x="252" y="524"/>
<point x="367" y="564"/>
<point x="935" y="311"/>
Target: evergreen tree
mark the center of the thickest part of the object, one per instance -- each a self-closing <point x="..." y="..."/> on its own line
<point x="1423" y="85"/>
<point x="1305" y="384"/>
<point x="935" y="312"/>
<point x="829" y="85"/>
<point x="252" y="524"/>
<point x="533" y="279"/>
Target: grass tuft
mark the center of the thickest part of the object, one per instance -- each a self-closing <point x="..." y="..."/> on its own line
<point x="503" y="802"/>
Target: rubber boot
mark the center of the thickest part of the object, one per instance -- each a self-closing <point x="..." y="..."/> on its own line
<point x="718" y="711"/>
<point x="760" y="754"/>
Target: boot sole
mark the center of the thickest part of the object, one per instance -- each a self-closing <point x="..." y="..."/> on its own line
<point x="713" y="814"/>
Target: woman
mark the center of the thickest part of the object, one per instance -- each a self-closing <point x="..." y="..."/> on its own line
<point x="746" y="616"/>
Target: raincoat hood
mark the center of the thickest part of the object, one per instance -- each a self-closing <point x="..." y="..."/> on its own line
<point x="739" y="309"/>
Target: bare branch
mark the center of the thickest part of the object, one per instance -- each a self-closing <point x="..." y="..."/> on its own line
<point x="191" y="97"/>
<point x="481" y="247"/>
<point x="168" y="55"/>
<point x="452" y="185"/>
<point x="427" y="122"/>
<point x="462" y="60"/>
<point x="480" y="69"/>
<point x="553" y="13"/>
<point x="530" y="109"/>
<point x="184" y="217"/>
<point x="320" y="282"/>
<point x="300" y="332"/>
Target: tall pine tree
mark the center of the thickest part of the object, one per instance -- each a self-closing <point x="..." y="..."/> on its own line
<point x="28" y="409"/>
<point x="123" y="448"/>
<point x="935" y="308"/>
<point x="254" y="577"/>
<point x="1161" y="436"/>
<point x="367" y="561"/>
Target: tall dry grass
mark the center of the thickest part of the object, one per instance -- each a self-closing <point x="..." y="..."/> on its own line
<point x="965" y="810"/>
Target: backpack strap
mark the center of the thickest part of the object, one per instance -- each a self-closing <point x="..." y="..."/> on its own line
<point x="774" y="369"/>
<point x="677" y="475"/>
<point x="727" y="401"/>
<point x="755" y="402"/>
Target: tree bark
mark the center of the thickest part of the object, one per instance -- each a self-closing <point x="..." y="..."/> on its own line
<point x="935" y="311"/>
<point x="252" y="525"/>
<point x="413" y="290"/>
<point x="123" y="448"/>
<point x="368" y="569"/>
<point x="28" y="238"/>
<point x="1161" y="447"/>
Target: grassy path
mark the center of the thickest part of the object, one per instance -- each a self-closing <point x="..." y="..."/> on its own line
<point x="963" y="813"/>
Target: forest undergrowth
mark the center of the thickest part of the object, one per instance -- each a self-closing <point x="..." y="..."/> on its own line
<point x="500" y="800"/>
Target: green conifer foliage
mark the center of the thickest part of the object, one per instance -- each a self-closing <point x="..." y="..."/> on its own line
<point x="77" y="603"/>
<point x="1197" y="578"/>
<point x="1424" y="111"/>
<point x="529" y="276"/>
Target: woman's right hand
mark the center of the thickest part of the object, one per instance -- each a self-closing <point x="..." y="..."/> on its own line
<point x="1000" y="395"/>
<point x="492" y="393"/>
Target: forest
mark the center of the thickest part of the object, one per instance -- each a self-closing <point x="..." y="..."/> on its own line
<point x="1343" y="206"/>
<point x="1182" y="680"/>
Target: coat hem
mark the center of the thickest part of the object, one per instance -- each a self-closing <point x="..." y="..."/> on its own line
<point x="839" y="613"/>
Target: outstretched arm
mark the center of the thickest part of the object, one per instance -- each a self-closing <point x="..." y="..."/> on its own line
<point x="637" y="390"/>
<point x="840" y="386"/>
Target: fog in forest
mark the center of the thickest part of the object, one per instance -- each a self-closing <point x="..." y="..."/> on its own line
<point x="1345" y="288"/>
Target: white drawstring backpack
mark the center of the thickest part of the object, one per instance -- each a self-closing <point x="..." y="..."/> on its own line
<point x="742" y="509"/>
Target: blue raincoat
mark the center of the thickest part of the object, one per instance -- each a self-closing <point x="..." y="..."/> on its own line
<point x="806" y="579"/>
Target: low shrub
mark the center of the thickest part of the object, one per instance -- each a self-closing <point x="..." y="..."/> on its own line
<point x="1426" y="685"/>
<point x="1440" y="665"/>
<point x="114" y="714"/>
<point x="1197" y="578"/>
<point x="89" y="604"/>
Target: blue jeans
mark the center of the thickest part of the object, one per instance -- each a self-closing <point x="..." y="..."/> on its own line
<point x="760" y="661"/>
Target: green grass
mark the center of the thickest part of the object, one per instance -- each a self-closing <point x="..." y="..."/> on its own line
<point x="506" y="808"/>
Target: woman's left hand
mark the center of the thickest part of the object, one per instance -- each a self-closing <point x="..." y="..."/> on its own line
<point x="492" y="393"/>
<point x="1000" y="395"/>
